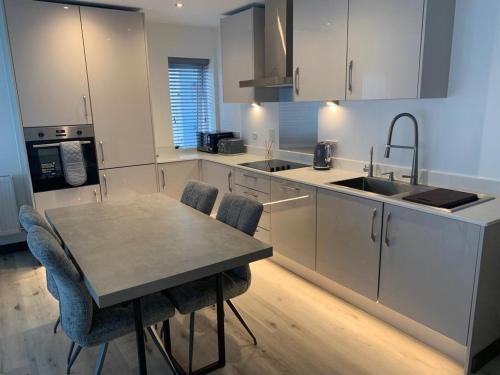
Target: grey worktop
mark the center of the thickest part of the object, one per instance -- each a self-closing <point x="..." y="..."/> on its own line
<point x="127" y="249"/>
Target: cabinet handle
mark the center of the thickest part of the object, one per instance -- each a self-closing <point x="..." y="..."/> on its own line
<point x="292" y="188"/>
<point x="164" y="182"/>
<point x="351" y="64"/>
<point x="229" y="175"/>
<point x="372" y="234"/>
<point x="85" y="106"/>
<point x="250" y="176"/>
<point x="95" y="195"/>
<point x="102" y="152"/>
<point x="104" y="178"/>
<point x="251" y="194"/>
<point x="386" y="240"/>
<point x="297" y="86"/>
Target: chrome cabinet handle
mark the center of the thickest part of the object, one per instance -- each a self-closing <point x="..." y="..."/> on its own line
<point x="372" y="234"/>
<point x="85" y="106"/>
<point x="297" y="86"/>
<point x="164" y="182"/>
<point x="386" y="240"/>
<point x="104" y="178"/>
<point x="250" y="176"/>
<point x="292" y="188"/>
<point x="351" y="64"/>
<point x="229" y="175"/>
<point x="102" y="152"/>
<point x="95" y="195"/>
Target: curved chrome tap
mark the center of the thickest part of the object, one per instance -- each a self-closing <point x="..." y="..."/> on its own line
<point x="414" y="168"/>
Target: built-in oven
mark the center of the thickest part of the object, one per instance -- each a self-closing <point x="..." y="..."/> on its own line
<point x="43" y="147"/>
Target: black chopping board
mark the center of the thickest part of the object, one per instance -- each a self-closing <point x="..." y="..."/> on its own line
<point x="442" y="198"/>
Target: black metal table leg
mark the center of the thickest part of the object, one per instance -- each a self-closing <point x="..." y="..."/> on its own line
<point x="139" y="333"/>
<point x="220" y="320"/>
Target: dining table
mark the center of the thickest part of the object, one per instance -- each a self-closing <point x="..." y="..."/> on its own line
<point x="132" y="248"/>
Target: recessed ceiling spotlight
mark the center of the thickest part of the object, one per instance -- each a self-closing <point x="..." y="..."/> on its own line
<point x="179" y="5"/>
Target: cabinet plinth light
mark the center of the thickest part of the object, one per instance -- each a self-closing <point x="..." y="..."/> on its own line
<point x="179" y="5"/>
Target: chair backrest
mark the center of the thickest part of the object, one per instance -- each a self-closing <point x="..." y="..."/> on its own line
<point x="240" y="212"/>
<point x="28" y="216"/>
<point x="75" y="301"/>
<point x="200" y="196"/>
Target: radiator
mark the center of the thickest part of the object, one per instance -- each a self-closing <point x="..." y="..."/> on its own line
<point x="9" y="223"/>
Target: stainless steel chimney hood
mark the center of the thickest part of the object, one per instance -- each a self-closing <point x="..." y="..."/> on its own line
<point x="278" y="51"/>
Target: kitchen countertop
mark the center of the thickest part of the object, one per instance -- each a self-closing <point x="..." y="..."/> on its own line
<point x="484" y="214"/>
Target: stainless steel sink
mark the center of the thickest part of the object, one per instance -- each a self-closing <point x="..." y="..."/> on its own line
<point x="378" y="185"/>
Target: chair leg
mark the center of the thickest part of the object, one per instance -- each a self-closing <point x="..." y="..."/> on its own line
<point x="71" y="347"/>
<point x="165" y="334"/>
<point x="191" y="341"/>
<point x="57" y="324"/>
<point x="242" y="321"/>
<point x="73" y="358"/>
<point x="103" y="349"/>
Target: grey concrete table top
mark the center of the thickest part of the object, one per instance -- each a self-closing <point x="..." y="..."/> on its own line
<point x="128" y="249"/>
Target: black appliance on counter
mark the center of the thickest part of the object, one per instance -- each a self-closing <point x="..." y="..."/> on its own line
<point x="208" y="142"/>
<point x="44" y="155"/>
<point x="273" y="165"/>
<point x="323" y="153"/>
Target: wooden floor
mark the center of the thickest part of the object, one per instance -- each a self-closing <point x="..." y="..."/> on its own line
<point x="301" y="330"/>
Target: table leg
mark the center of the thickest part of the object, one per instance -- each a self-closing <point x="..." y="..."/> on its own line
<point x="139" y="333"/>
<point x="220" y="320"/>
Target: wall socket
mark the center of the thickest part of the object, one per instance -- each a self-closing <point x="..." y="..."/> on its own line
<point x="255" y="136"/>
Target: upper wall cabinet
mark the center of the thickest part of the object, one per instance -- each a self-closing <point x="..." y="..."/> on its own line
<point x="117" y="68"/>
<point x="49" y="63"/>
<point x="399" y="48"/>
<point x="319" y="50"/>
<point x="242" y="44"/>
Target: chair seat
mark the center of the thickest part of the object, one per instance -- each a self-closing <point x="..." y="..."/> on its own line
<point x="202" y="293"/>
<point x="116" y="321"/>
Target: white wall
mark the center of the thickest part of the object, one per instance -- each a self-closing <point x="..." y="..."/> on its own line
<point x="459" y="134"/>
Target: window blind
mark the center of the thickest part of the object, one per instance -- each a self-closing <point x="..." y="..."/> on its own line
<point x="191" y="99"/>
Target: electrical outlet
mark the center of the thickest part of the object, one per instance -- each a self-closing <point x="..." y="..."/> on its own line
<point x="254" y="136"/>
<point x="272" y="135"/>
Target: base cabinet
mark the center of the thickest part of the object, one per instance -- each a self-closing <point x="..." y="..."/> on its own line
<point x="293" y="221"/>
<point x="67" y="197"/>
<point x="348" y="241"/>
<point x="173" y="177"/>
<point x="128" y="182"/>
<point x="427" y="269"/>
<point x="220" y="176"/>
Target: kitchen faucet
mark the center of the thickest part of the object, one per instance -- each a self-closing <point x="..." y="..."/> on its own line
<point x="414" y="168"/>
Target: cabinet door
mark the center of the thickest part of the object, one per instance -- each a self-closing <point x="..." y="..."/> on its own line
<point x="319" y="49"/>
<point x="293" y="221"/>
<point x="67" y="197"/>
<point x="173" y="177"/>
<point x="49" y="63"/>
<point x="116" y="59"/>
<point x="129" y="182"/>
<point x="348" y="247"/>
<point x="384" y="48"/>
<point x="220" y="176"/>
<point x="427" y="269"/>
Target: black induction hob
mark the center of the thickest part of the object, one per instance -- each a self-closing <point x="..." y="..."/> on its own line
<point x="273" y="165"/>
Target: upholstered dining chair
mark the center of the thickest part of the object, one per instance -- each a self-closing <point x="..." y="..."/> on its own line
<point x="28" y="216"/>
<point x="84" y="324"/>
<point x="200" y="196"/>
<point x="241" y="213"/>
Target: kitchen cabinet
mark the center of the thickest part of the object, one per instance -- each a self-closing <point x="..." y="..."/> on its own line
<point x="128" y="182"/>
<point x="293" y="221"/>
<point x="118" y="79"/>
<point x="348" y="241"/>
<point x="173" y="177"/>
<point x="49" y="63"/>
<point x="253" y="180"/>
<point x="427" y="269"/>
<point x="242" y="45"/>
<point x="265" y="219"/>
<point x="219" y="175"/>
<point x="66" y="197"/>
<point x="399" y="48"/>
<point x="319" y="49"/>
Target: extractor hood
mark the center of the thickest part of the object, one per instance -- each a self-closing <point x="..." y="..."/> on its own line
<point x="278" y="51"/>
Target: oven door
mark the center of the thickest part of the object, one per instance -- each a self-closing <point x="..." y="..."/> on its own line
<point x="46" y="168"/>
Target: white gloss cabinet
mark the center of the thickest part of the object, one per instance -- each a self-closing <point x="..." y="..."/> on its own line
<point x="173" y="177"/>
<point x="66" y="197"/>
<point x="319" y="49"/>
<point x="118" y="79"/>
<point x="220" y="176"/>
<point x="49" y="63"/>
<point x="128" y="182"/>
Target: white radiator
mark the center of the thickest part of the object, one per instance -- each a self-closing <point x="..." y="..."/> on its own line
<point x="9" y="223"/>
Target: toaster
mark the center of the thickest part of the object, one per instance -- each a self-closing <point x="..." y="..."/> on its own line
<point x="230" y="146"/>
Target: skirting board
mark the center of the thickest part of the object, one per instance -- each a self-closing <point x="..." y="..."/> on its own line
<point x="422" y="333"/>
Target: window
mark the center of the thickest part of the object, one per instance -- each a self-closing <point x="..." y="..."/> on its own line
<point x="191" y="99"/>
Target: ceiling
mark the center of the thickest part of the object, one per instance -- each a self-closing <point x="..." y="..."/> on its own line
<point x="194" y="12"/>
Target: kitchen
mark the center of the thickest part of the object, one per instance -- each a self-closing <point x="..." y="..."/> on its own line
<point x="420" y="279"/>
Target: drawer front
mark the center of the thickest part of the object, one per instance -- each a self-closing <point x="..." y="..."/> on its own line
<point x="263" y="235"/>
<point x="253" y="180"/>
<point x="253" y="194"/>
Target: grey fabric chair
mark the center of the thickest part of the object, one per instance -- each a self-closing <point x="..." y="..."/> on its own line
<point x="83" y="324"/>
<point x="28" y="216"/>
<point x="241" y="213"/>
<point x="200" y="196"/>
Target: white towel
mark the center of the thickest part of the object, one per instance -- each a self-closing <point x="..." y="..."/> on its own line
<point x="75" y="172"/>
